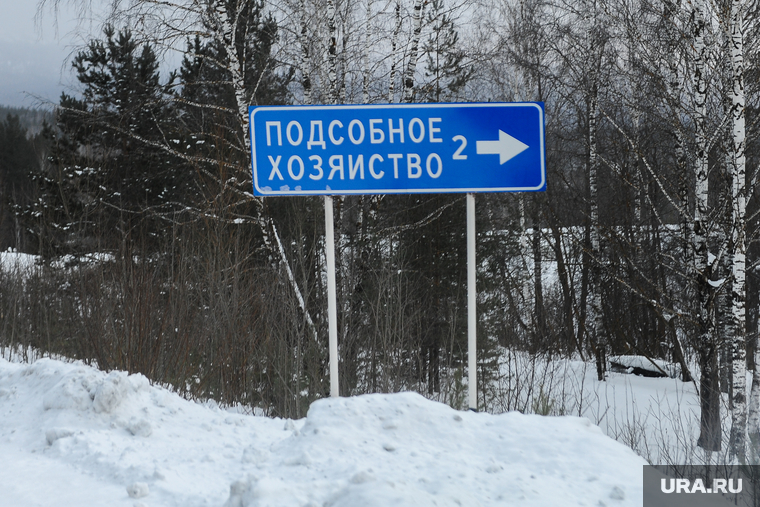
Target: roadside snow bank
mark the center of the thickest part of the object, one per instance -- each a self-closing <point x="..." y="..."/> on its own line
<point x="401" y="449"/>
<point x="72" y="435"/>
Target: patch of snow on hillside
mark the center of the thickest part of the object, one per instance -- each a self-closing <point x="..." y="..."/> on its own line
<point x="12" y="261"/>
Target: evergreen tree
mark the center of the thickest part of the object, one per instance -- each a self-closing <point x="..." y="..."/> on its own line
<point x="18" y="159"/>
<point x="445" y="71"/>
<point x="17" y="154"/>
<point x="108" y="172"/>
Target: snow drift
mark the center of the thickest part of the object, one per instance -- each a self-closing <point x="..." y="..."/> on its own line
<point x="72" y="435"/>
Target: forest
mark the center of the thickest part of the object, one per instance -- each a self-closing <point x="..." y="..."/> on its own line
<point x="154" y="256"/>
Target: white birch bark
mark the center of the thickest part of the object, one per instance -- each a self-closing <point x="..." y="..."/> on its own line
<point x="227" y="21"/>
<point x="739" y="194"/>
<point x="226" y="35"/>
<point x="638" y="198"/>
<point x="701" y="182"/>
<point x="394" y="56"/>
<point x="593" y="188"/>
<point x="332" y="53"/>
<point x="594" y="312"/>
<point x="411" y="68"/>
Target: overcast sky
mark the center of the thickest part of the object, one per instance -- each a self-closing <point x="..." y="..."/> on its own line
<point x="34" y="55"/>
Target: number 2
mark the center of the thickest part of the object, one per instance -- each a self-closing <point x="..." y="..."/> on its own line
<point x="458" y="154"/>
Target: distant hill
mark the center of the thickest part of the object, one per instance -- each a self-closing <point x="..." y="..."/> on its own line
<point x="30" y="119"/>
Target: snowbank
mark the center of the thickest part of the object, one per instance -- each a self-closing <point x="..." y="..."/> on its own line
<point x="402" y="449"/>
<point x="72" y="435"/>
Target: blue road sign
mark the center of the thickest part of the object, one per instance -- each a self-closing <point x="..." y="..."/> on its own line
<point x="398" y="148"/>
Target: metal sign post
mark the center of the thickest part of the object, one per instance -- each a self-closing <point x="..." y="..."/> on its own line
<point x="332" y="314"/>
<point x="398" y="149"/>
<point x="472" y="317"/>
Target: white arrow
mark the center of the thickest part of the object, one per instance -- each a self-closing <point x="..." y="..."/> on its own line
<point x="506" y="147"/>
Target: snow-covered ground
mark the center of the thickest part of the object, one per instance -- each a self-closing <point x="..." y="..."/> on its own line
<point x="71" y="435"/>
<point x="12" y="261"/>
<point x="657" y="417"/>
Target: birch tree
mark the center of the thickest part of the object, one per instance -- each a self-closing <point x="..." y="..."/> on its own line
<point x="583" y="52"/>
<point x="596" y="48"/>
<point x="411" y="66"/>
<point x="738" y="212"/>
<point x="687" y="97"/>
<point x="751" y="32"/>
<point x="713" y="236"/>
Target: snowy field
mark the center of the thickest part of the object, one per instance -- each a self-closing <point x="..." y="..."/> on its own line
<point x="71" y="435"/>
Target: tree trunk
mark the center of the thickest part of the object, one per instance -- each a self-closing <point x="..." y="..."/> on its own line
<point x="227" y="36"/>
<point x="739" y="194"/>
<point x="563" y="274"/>
<point x="411" y="68"/>
<point x="753" y="416"/>
<point x="595" y="295"/>
<point x="709" y="398"/>
<point x="394" y="56"/>
<point x="710" y="434"/>
<point x="332" y="53"/>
